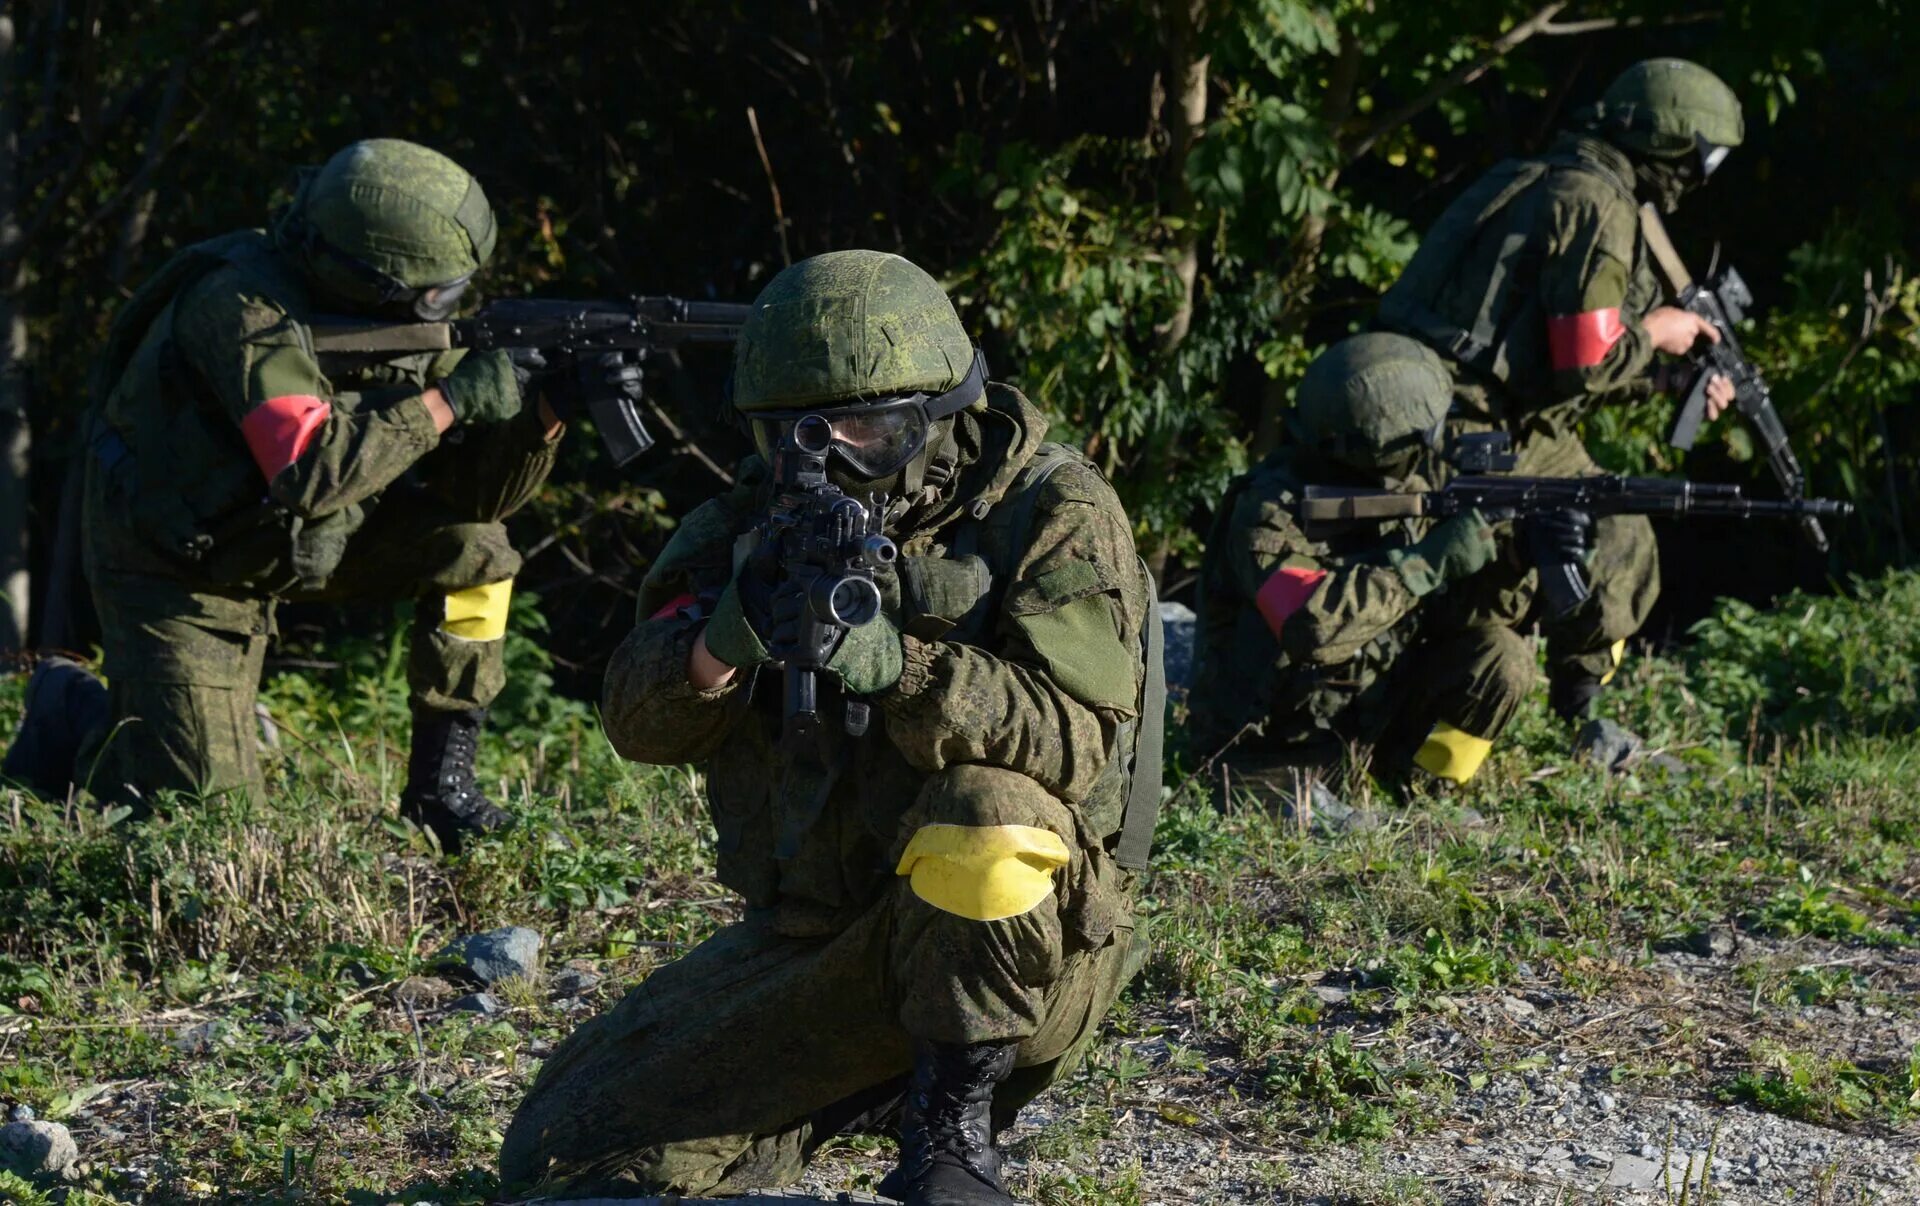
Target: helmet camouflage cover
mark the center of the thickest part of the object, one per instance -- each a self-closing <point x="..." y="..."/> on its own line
<point x="410" y="214"/>
<point x="1373" y="400"/>
<point x="1667" y="107"/>
<point x="848" y="326"/>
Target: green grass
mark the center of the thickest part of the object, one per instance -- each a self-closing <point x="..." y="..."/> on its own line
<point x="217" y="988"/>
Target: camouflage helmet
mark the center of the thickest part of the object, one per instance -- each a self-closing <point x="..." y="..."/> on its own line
<point x="1670" y="107"/>
<point x="385" y="219"/>
<point x="847" y="327"/>
<point x="1373" y="401"/>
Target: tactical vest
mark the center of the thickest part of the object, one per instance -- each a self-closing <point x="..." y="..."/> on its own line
<point x="987" y="550"/>
<point x="1506" y="338"/>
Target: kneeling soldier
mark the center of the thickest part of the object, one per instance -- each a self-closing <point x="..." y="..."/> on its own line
<point x="939" y="875"/>
<point x="230" y="470"/>
<point x="1395" y="638"/>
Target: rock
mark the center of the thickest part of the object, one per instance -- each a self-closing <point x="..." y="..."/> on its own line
<point x="1325" y="813"/>
<point x="496" y="955"/>
<point x="1330" y="995"/>
<point x="38" y="1150"/>
<point x="1607" y="745"/>
<point x="1179" y="623"/>
<point x="573" y="982"/>
<point x="482" y="1003"/>
<point x="20" y="1113"/>
<point x="204" y="1038"/>
<point x="1714" y="942"/>
<point x="1517" y="1008"/>
<point x="1635" y="1172"/>
<point x="1606" y="1103"/>
<point x="421" y="992"/>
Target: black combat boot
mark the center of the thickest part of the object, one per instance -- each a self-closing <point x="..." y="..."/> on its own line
<point x="64" y="704"/>
<point x="1571" y="694"/>
<point x="947" y="1156"/>
<point x="441" y="794"/>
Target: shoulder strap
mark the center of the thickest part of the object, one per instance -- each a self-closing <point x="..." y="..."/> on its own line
<point x="1143" y="787"/>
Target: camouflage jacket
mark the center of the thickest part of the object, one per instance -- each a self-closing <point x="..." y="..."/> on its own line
<point x="227" y="457"/>
<point x="1032" y="667"/>
<point x="1535" y="281"/>
<point x="1296" y="636"/>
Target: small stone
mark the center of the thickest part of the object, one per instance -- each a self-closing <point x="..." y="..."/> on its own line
<point x="1517" y="1008"/>
<point x="421" y="992"/>
<point x="1635" y="1172"/>
<point x="38" y="1150"/>
<point x="482" y="1003"/>
<point x="502" y="954"/>
<point x="1331" y="996"/>
<point x="204" y="1038"/>
<point x="573" y="982"/>
<point x="1758" y="1161"/>
<point x="20" y="1113"/>
<point x="1608" y="745"/>
<point x="1648" y="1152"/>
<point x="1714" y="942"/>
<point x="1606" y="1103"/>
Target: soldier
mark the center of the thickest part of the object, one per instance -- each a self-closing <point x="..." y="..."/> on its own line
<point x="942" y="906"/>
<point x="1536" y="286"/>
<point x="229" y="470"/>
<point x="1397" y="639"/>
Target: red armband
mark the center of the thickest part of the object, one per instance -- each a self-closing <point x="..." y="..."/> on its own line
<point x="673" y="606"/>
<point x="278" y="430"/>
<point x="1577" y="341"/>
<point x="1285" y="593"/>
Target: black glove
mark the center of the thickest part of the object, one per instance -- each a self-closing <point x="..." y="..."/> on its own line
<point x="1558" y="542"/>
<point x="608" y="375"/>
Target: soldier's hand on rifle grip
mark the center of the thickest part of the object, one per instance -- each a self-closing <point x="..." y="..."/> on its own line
<point x="489" y="387"/>
<point x="1559" y="542"/>
<point x="1720" y="394"/>
<point x="1674" y="331"/>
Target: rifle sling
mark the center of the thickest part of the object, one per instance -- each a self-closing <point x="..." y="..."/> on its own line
<point x="1340" y="509"/>
<point x="1654" y="231"/>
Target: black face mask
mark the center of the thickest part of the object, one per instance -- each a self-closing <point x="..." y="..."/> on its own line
<point x="1665" y="181"/>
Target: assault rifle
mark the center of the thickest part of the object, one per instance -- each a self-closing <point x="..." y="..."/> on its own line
<point x="1328" y="509"/>
<point x="566" y="331"/>
<point x="1723" y="299"/>
<point x="828" y="544"/>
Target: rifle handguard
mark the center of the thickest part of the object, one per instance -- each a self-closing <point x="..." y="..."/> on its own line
<point x="1324" y="505"/>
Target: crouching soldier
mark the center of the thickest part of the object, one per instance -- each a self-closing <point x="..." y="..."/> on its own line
<point x="231" y="470"/>
<point x="1394" y="639"/>
<point x="939" y="874"/>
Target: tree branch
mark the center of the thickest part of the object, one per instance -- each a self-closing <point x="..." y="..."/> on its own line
<point x="1561" y="29"/>
<point x="1464" y="74"/>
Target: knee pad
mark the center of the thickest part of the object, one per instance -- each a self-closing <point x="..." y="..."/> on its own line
<point x="478" y="613"/>
<point x="1452" y="754"/>
<point x="983" y="872"/>
<point x="1619" y="654"/>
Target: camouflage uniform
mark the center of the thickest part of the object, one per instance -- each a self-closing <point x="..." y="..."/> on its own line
<point x="1579" y="218"/>
<point x="1019" y="679"/>
<point x="232" y="471"/>
<point x="1534" y="284"/>
<point x="1374" y="656"/>
<point x="1393" y="639"/>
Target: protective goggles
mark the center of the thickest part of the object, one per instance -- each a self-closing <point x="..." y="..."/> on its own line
<point x="1712" y="155"/>
<point x="429" y="303"/>
<point x="879" y="438"/>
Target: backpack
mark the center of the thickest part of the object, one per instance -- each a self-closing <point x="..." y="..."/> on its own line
<point x="1133" y="771"/>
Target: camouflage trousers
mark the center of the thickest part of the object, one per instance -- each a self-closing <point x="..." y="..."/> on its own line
<point x="726" y="1069"/>
<point x="183" y="665"/>
<point x="1473" y="677"/>
<point x="1624" y="567"/>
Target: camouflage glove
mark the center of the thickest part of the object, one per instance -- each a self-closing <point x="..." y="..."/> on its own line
<point x="743" y="620"/>
<point x="488" y="387"/>
<point x="1456" y="548"/>
<point x="867" y="660"/>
